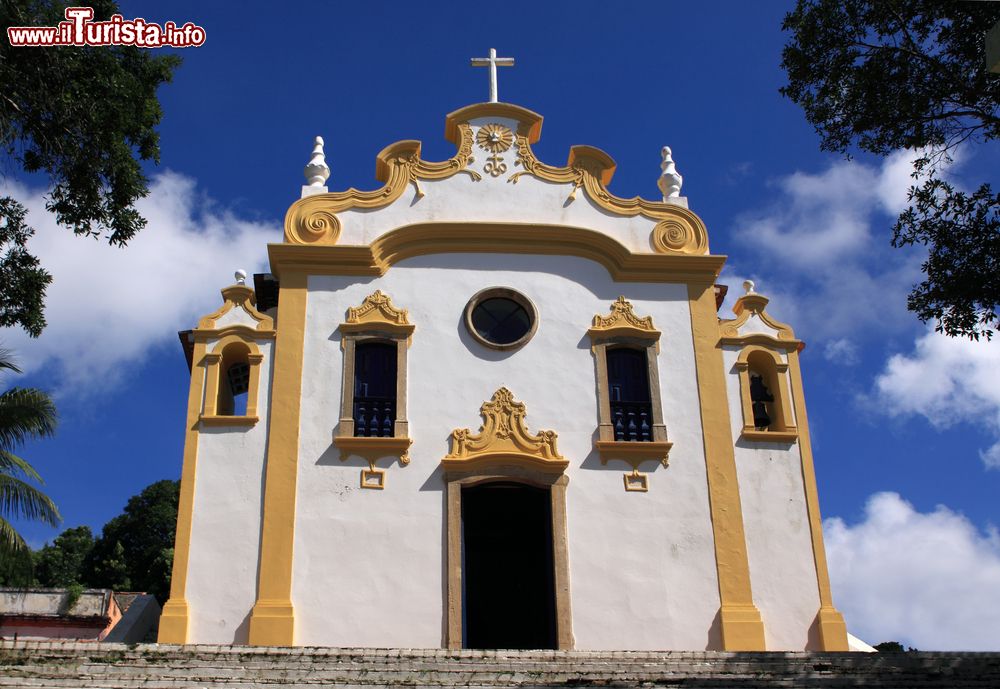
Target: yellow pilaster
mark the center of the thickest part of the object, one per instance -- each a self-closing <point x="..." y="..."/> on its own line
<point x="829" y="621"/>
<point x="272" y="622"/>
<point x="175" y="616"/>
<point x="741" y="625"/>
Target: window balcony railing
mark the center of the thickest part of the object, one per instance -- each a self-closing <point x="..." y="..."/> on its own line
<point x="374" y="418"/>
<point x="632" y="421"/>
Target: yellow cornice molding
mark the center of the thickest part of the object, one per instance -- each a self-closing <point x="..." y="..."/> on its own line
<point x="313" y="220"/>
<point x="514" y="238"/>
<point x="754" y="304"/>
<point x="504" y="439"/>
<point x="235" y="296"/>
<point x="622" y="322"/>
<point x="244" y="332"/>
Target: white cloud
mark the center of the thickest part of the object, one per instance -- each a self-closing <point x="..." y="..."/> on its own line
<point x="841" y="351"/>
<point x="823" y="244"/>
<point x="947" y="380"/>
<point x="929" y="580"/>
<point x="107" y="307"/>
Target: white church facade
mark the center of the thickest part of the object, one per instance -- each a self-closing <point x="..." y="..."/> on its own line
<point x="492" y="405"/>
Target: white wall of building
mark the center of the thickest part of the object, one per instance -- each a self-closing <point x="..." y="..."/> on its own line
<point x="369" y="565"/>
<point x="779" y="544"/>
<point x="225" y="531"/>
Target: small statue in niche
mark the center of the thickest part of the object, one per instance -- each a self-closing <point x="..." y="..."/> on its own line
<point x="759" y="398"/>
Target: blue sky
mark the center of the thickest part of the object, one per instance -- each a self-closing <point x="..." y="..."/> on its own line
<point x="905" y="423"/>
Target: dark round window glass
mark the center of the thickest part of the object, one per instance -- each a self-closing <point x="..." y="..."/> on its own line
<point x="500" y="320"/>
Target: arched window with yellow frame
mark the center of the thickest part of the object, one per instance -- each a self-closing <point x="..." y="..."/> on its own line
<point x="764" y="396"/>
<point x="232" y="369"/>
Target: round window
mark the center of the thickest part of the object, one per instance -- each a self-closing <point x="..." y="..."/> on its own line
<point x="501" y="318"/>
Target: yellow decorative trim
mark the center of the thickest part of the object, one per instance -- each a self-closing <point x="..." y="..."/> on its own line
<point x="636" y="482"/>
<point x="496" y="139"/>
<point x="313" y="220"/>
<point x="832" y="629"/>
<point x="377" y="313"/>
<point x="371" y="450"/>
<point x="754" y="304"/>
<point x="740" y="621"/>
<point x="529" y="122"/>
<point x="634" y="452"/>
<point x="510" y="238"/>
<point x="176" y="614"/>
<point x="272" y="621"/>
<point x="504" y="438"/>
<point x="775" y="371"/>
<point x="241" y="331"/>
<point x="229" y="420"/>
<point x="373" y="479"/>
<point x="622" y="322"/>
<point x="377" y="308"/>
<point x="236" y="296"/>
<point x="678" y="230"/>
<point x="753" y="435"/>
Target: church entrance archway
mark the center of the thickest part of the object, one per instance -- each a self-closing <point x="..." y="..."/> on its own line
<point x="508" y="582"/>
<point x="507" y="559"/>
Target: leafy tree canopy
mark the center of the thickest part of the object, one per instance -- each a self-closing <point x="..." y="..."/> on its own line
<point x="60" y="564"/>
<point x="885" y="75"/>
<point x="85" y="117"/>
<point x="135" y="549"/>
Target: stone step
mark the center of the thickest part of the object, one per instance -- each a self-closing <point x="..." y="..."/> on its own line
<point x="119" y="666"/>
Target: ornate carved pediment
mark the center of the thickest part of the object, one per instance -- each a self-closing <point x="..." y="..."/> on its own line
<point x="504" y="439"/>
<point x="622" y="322"/>
<point x="377" y="312"/>
<point x="241" y="298"/>
<point x="754" y="305"/>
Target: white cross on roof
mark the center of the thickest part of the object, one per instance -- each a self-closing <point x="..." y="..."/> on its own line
<point x="493" y="62"/>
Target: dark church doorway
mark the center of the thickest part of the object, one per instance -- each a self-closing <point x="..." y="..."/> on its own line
<point x="507" y="572"/>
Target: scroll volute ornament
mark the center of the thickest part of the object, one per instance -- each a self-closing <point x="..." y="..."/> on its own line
<point x="313" y="220"/>
<point x="504" y="439"/>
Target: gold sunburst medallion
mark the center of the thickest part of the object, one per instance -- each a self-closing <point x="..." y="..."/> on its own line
<point x="494" y="138"/>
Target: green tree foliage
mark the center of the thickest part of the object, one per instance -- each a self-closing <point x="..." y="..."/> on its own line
<point x="893" y="647"/>
<point x="85" y="117"/>
<point x="60" y="564"/>
<point x="135" y="549"/>
<point x="25" y="413"/>
<point x="886" y="75"/>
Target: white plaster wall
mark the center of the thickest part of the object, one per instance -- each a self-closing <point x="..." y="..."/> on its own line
<point x="779" y="544"/>
<point x="495" y="199"/>
<point x="755" y="325"/>
<point x="235" y="316"/>
<point x="369" y="565"/>
<point x="225" y="531"/>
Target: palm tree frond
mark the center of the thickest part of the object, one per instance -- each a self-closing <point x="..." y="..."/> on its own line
<point x="7" y="361"/>
<point x="15" y="466"/>
<point x="25" y="413"/>
<point x="24" y="501"/>
<point x="11" y="543"/>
